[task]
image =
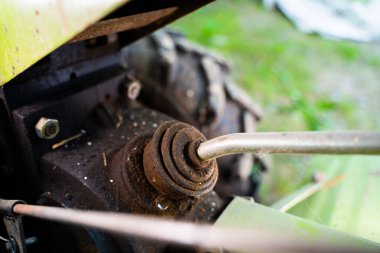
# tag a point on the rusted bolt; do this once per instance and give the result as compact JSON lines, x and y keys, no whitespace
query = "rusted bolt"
{"x":47,"y":128}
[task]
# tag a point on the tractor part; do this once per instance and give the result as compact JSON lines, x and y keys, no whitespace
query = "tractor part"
{"x":16,"y":242}
{"x":23,"y":43}
{"x":47,"y":128}
{"x":185,"y":81}
{"x":171,"y":168}
{"x":96,"y":160}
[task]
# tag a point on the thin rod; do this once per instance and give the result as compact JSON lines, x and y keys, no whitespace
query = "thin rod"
{"x":186,"y":233}
{"x":365,"y":143}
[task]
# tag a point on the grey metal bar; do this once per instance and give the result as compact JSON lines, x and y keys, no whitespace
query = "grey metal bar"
{"x":366,"y":143}
{"x":204,"y":236}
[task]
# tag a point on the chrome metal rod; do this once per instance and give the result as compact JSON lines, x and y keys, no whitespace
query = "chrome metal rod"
{"x":366,"y":143}
{"x":205,"y":236}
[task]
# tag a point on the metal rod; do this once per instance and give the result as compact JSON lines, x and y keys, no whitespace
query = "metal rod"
{"x":365,"y":143}
{"x":205,"y":236}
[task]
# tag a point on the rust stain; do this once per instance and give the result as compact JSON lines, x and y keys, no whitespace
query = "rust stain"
{"x":167,"y":164}
{"x":124,"y":23}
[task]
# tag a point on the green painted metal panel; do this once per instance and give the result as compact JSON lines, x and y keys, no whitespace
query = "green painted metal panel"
{"x":245,"y":214}
{"x":31,"y":29}
{"x":353,"y":204}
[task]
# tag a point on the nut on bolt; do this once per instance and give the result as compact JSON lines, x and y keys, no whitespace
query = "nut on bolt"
{"x":47,"y":128}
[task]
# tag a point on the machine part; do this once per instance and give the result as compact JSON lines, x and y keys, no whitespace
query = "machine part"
{"x":176,"y":72}
{"x":267,"y":238}
{"x":136,"y":18}
{"x":13,"y":224}
{"x":83,"y":85}
{"x":139,"y":195}
{"x":364,"y":143}
{"x":192,"y":85}
{"x":11,"y":247}
{"x":169,"y":166}
{"x":6,"y":207}
{"x":119,"y":184}
{"x":16,"y":242}
{"x":38,"y":34}
{"x":215,"y":93}
{"x":47,"y":128}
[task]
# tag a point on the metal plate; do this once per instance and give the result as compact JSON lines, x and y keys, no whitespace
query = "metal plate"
{"x":29,"y":30}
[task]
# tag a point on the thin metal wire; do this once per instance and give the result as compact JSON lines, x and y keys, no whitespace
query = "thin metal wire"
{"x":4,"y":239}
{"x":366,"y":143}
{"x":204,"y":236}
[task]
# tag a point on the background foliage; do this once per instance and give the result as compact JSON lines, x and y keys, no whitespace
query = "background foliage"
{"x":302,"y":81}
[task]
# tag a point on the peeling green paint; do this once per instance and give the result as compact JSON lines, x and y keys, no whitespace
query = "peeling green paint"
{"x":29,"y":30}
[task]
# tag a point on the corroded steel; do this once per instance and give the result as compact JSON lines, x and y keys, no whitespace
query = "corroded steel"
{"x":29,"y":30}
{"x":185,"y":81}
{"x":136,"y":21}
{"x":167,"y":164}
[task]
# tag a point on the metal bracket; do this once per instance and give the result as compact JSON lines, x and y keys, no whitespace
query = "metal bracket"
{"x":13,"y":224}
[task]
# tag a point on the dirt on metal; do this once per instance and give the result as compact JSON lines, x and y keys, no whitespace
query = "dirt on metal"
{"x":167,"y":164}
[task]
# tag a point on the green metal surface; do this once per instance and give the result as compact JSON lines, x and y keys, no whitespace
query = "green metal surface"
{"x":31,"y":29}
{"x":353,"y":204}
{"x":244,"y":214}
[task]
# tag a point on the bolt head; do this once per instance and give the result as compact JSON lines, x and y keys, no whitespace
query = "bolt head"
{"x":47,"y":128}
{"x":133,"y":90}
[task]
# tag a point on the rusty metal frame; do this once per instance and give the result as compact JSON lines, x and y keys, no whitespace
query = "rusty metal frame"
{"x":29,"y":30}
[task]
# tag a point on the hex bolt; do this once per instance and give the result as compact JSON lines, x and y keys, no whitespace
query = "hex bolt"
{"x":47,"y":128}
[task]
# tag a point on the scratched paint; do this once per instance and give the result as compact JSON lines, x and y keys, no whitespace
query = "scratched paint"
{"x":29,"y":30}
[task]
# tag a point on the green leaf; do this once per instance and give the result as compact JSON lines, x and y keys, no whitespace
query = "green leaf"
{"x":353,"y":204}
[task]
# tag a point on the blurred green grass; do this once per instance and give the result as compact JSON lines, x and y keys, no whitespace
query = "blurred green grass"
{"x":292,"y":75}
